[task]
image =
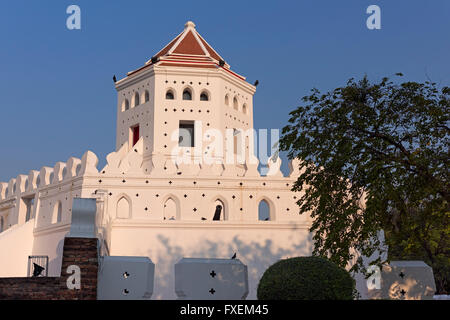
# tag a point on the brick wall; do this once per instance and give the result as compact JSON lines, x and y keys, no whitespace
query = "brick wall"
{"x":81,"y":252}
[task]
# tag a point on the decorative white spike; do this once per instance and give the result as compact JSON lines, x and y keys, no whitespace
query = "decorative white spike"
{"x":89,"y":163}
{"x":294,"y":168}
{"x":58,"y":172}
{"x":44,"y":176}
{"x":274,"y":167}
{"x":3,"y":187}
{"x":132,"y":162}
{"x":32,"y":180}
{"x":21,"y":182}
{"x":72,"y":167}
{"x":11,"y":187}
{"x":114,"y":159}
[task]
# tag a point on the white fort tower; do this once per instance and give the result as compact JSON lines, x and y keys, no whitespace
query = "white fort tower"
{"x":184,"y":147}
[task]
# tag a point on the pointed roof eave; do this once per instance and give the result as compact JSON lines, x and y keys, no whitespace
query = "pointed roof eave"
{"x":167,"y":48}
{"x":212,"y":53}
{"x":189,"y":34}
{"x":189,"y":42}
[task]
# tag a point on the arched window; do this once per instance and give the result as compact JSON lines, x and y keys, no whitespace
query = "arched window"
{"x":227,"y":102}
{"x":146,"y":96}
{"x":123,"y":208}
{"x":235,"y":103}
{"x":29,"y":202}
{"x":57,"y":212}
{"x":244,"y":108}
{"x":263,"y":211}
{"x":2,"y":224}
{"x":136,"y":99}
{"x":219,"y":211}
{"x":170,"y":209}
{"x":187,"y":95}
{"x":125,"y":105}
{"x":170,"y":95}
{"x":204,"y":96}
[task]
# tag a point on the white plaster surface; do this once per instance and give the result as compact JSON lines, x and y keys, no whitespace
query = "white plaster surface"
{"x":211,"y":279}
{"x":125,"y":278}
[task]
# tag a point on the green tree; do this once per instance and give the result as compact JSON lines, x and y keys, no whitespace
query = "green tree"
{"x":375,"y":157}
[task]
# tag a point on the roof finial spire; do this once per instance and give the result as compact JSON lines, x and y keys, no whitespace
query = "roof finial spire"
{"x":189,"y":24}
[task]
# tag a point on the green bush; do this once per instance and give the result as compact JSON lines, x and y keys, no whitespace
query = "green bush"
{"x":306,"y":278}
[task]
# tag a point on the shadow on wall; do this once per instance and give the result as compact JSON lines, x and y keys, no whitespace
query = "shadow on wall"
{"x":54,"y":265}
{"x":257,"y":256}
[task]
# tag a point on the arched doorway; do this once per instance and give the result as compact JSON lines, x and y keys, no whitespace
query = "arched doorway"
{"x":264,"y":213}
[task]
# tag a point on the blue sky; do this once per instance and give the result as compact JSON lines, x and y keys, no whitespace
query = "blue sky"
{"x":50,"y":74}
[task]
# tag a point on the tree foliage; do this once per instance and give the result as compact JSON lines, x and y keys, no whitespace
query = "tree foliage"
{"x":306,"y":278}
{"x":375,"y":157}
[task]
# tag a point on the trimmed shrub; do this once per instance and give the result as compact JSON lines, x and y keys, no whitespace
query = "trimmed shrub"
{"x":306,"y":278}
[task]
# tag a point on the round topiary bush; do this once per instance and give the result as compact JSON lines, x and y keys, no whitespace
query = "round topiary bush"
{"x":306,"y":278}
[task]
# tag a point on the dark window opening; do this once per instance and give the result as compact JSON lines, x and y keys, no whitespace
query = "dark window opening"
{"x":136,"y":99}
{"x":204,"y":97}
{"x":186,"y":134}
{"x":169,"y":95}
{"x":135,"y":134}
{"x":187,"y":95}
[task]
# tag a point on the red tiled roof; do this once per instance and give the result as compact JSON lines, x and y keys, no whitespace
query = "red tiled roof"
{"x":189,"y":45}
{"x":188,"y":49}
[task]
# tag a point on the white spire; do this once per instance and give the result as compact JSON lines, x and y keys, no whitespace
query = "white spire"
{"x":189,"y":24}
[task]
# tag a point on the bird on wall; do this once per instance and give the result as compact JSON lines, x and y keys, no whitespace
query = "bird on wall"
{"x":217,"y":213}
{"x":114,"y":79}
{"x":203,"y":218}
{"x":234,"y":256}
{"x":256,"y":83}
{"x":37,"y":271}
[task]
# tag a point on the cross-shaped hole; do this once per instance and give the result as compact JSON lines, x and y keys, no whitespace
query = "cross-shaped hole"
{"x":212,"y":291}
{"x":402,"y":275}
{"x":213,"y":274}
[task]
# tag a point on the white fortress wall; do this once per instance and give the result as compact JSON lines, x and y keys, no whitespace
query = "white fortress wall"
{"x":37,"y":208}
{"x":16,"y":245}
{"x":258,"y":245}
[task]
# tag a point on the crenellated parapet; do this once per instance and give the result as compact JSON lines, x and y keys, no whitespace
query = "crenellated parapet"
{"x":48,"y":176}
{"x":194,"y":189}
{"x":20,"y":196}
